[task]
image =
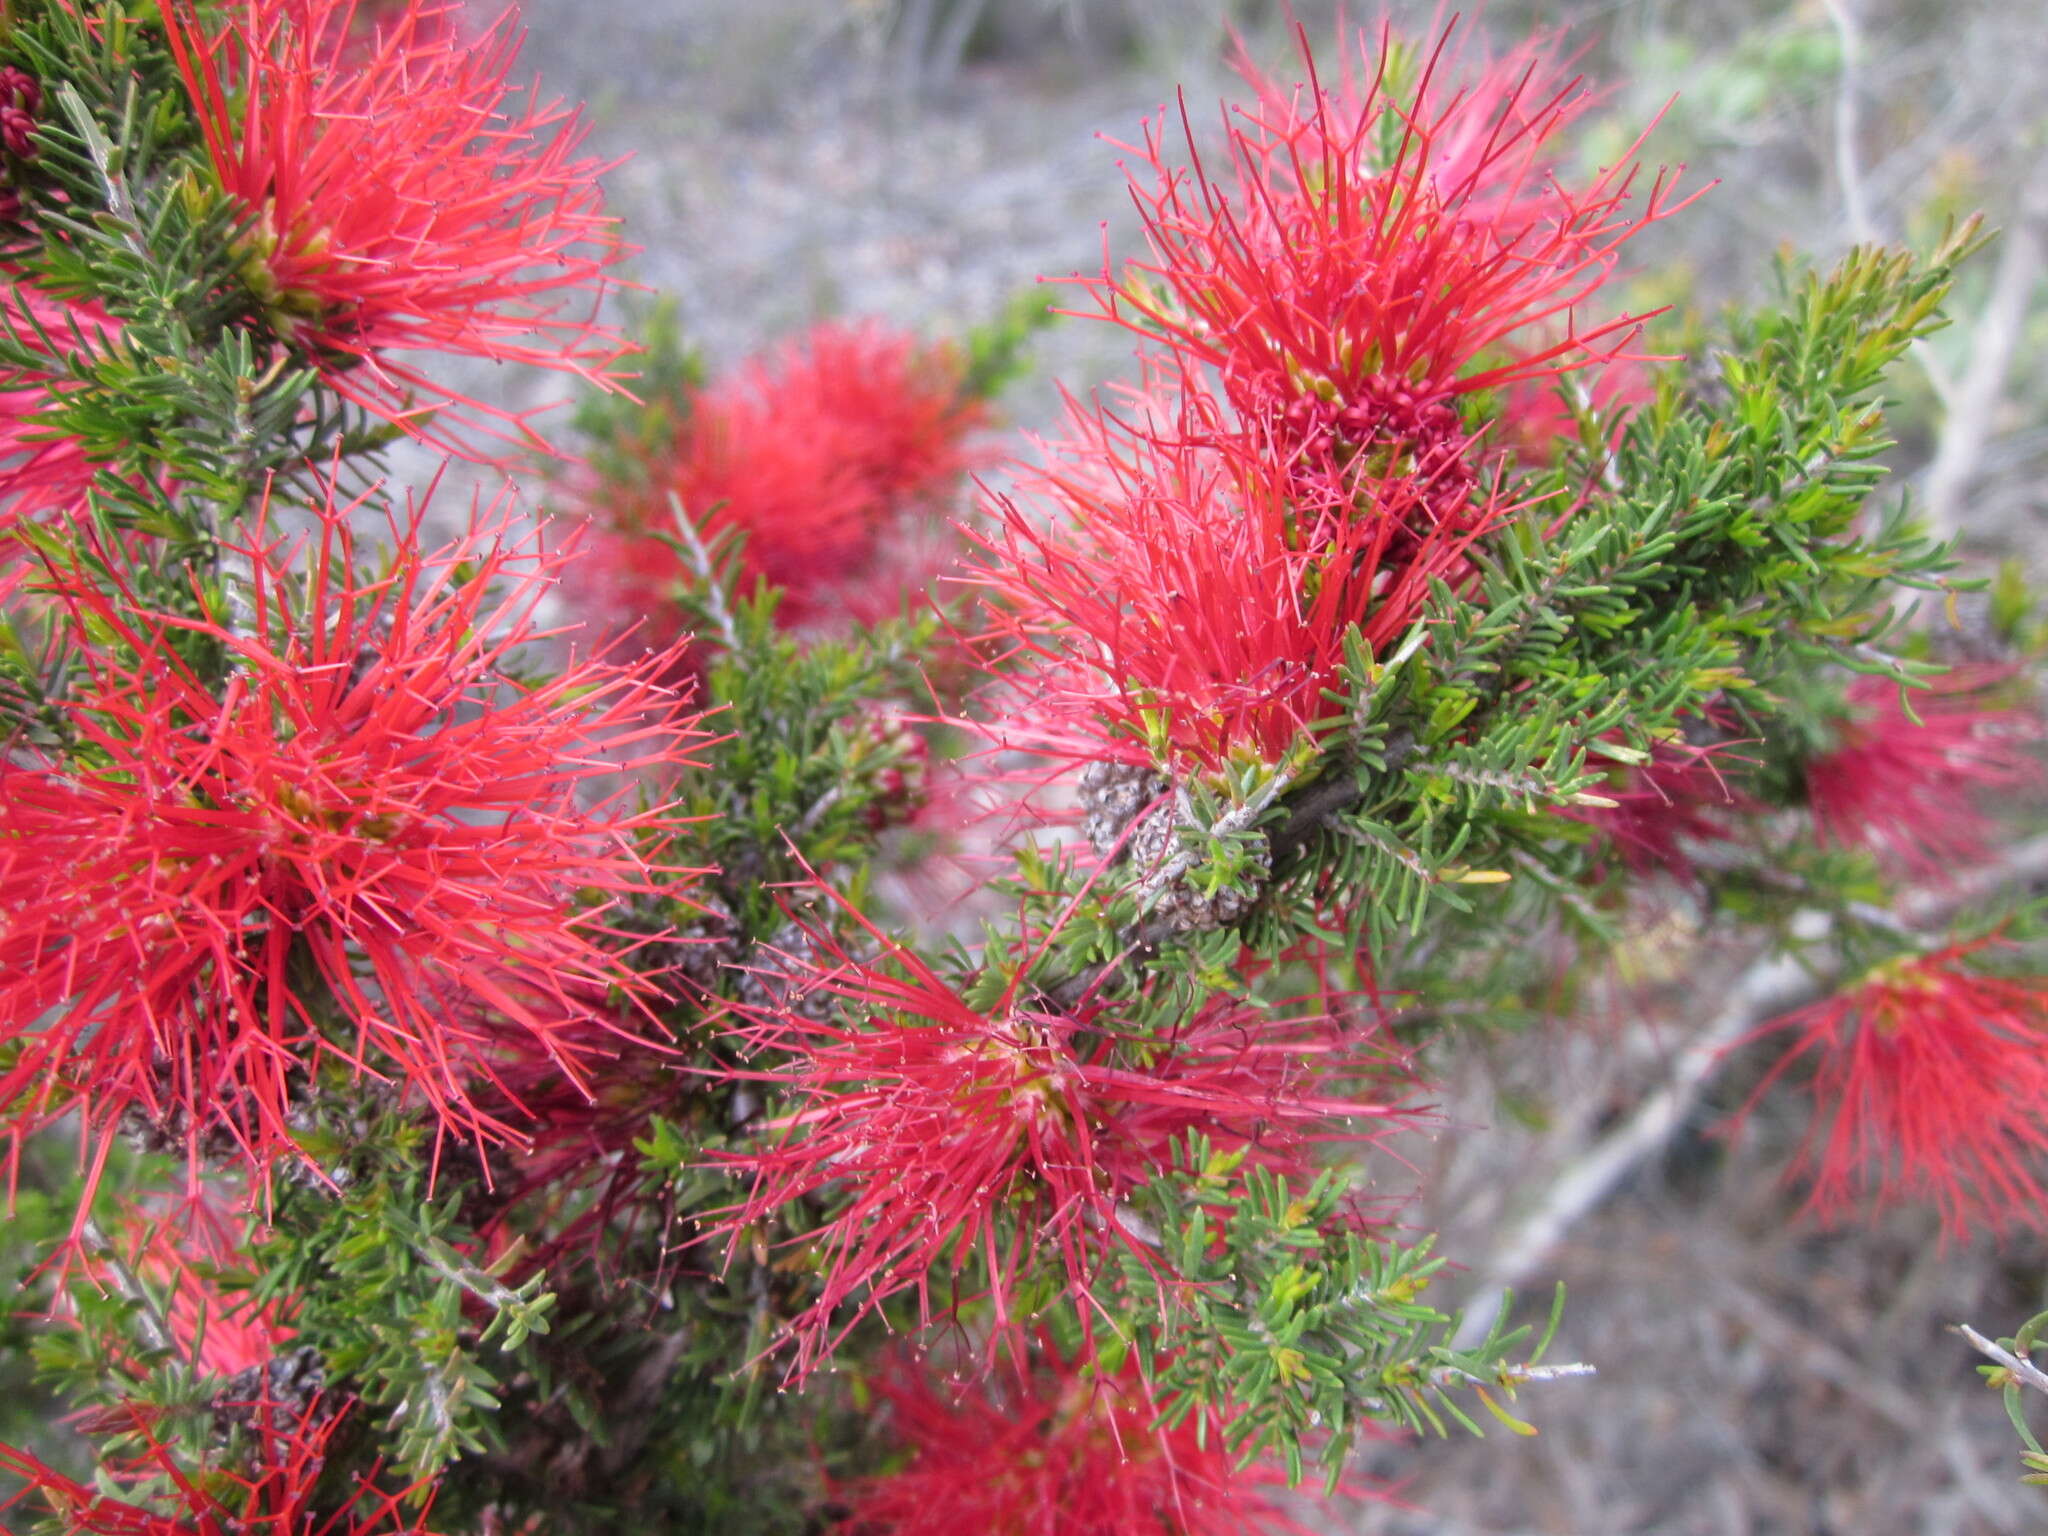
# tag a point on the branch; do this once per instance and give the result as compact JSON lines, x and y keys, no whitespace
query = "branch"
{"x":1236,"y":819}
{"x":149,"y":1318}
{"x":2023,"y":1371}
{"x":1848,"y":171}
{"x":1972,"y":403}
{"x":705,"y":569}
{"x":1768,"y":988}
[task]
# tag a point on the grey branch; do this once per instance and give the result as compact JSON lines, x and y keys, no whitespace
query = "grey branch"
{"x":1971,"y":407}
{"x":2023,"y":1371}
{"x":1848,"y":171}
{"x":705,"y":569}
{"x":149,"y":1319}
{"x":1770,"y":987}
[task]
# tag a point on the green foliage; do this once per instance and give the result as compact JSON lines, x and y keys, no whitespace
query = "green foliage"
{"x":1728,"y":557}
{"x":39,"y":1219}
{"x":800,"y":776}
{"x":998,"y":351}
{"x":1275,"y":1311}
{"x":387,"y":1297}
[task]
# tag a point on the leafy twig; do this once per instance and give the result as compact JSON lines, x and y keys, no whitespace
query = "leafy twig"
{"x":2023,"y":1371}
{"x":705,"y":569}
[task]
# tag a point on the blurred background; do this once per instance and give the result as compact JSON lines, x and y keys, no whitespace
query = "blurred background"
{"x":925,"y":160}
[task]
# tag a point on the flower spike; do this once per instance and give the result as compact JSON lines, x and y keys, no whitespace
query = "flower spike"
{"x":832,"y":457}
{"x":1907,"y":772}
{"x":1059,"y":1449}
{"x":1930,"y":1081}
{"x":365,"y":847}
{"x":1191,"y":599}
{"x":1376,"y":251}
{"x":397,"y":194}
{"x":952,"y":1134}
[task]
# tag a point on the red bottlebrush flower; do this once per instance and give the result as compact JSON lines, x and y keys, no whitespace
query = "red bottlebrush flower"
{"x":400,"y":195}
{"x":367,"y":849}
{"x":1908,"y":790}
{"x":41,"y":470}
{"x":832,"y":457}
{"x":1189,"y":600}
{"x":1057,"y":1451}
{"x":943,"y":1133}
{"x":1930,"y":1083}
{"x":275,"y":1492}
{"x":1377,"y":250}
{"x":899,"y":403}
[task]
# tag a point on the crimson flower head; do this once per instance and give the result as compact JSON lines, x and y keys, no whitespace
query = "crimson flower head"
{"x":1189,"y":598}
{"x":1057,"y":1450}
{"x":942,"y":1134}
{"x":1930,"y":1082}
{"x":1372,"y":251}
{"x":1910,"y":787}
{"x":398,"y":193}
{"x":364,"y":847}
{"x":832,"y":458}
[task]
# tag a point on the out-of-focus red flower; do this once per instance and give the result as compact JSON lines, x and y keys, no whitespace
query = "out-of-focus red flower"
{"x":365,"y":847}
{"x":401,"y":195}
{"x":1058,"y":1450}
{"x":1930,"y":1082}
{"x":182,"y":1253}
{"x":1910,"y":789}
{"x":834,"y":457}
{"x":1661,"y":808}
{"x":41,"y":470}
{"x":1536,"y":417}
{"x":1189,"y":599}
{"x":1372,"y":252}
{"x":944,"y":1134}
{"x":275,"y":1491}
